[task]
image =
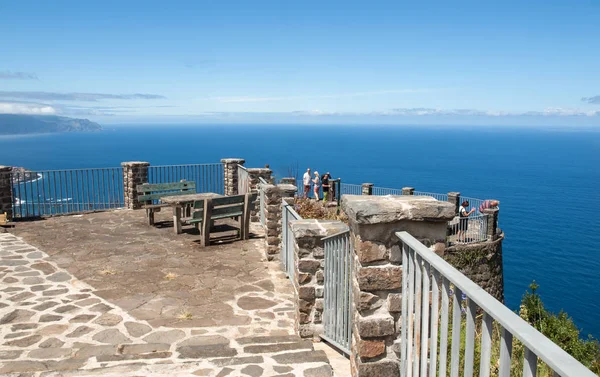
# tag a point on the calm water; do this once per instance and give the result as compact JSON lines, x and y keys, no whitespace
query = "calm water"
{"x":547,"y":182}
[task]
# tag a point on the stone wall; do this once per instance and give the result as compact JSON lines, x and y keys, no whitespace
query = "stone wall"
{"x":273,"y":208}
{"x":230,"y":172}
{"x":6,"y":198}
{"x":254,"y":174}
{"x":377,"y":272}
{"x":309,"y":252}
{"x":134,"y":173}
{"x":480,"y":262}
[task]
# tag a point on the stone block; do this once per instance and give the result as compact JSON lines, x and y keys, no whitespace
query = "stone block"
{"x":368,"y":251}
{"x":379,"y":278}
{"x":308,"y":265}
{"x":376,"y":326}
{"x":383,"y":368}
{"x":395,"y":302}
{"x":368,"y":349}
{"x":367,"y":301}
{"x":305,"y":306}
{"x":306,"y":293}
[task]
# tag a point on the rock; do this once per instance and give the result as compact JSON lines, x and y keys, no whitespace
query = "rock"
{"x":10,"y":280}
{"x":49,"y":353}
{"x":52,"y":330}
{"x":21,"y":296}
{"x":101,"y":308}
{"x":33,"y":280}
{"x":252,"y":370}
{"x":153,"y":355}
{"x":282,"y":368}
{"x":59,"y":277}
{"x":238,"y":360}
{"x":87,"y":302}
{"x":18,"y":315}
{"x":210,"y":351}
{"x":66,"y":309}
{"x":45,"y":267}
{"x":38,"y":288}
{"x":78,"y":296}
{"x":131,"y":349}
{"x":368,"y":301}
{"x":24,"y":326}
{"x":80,"y":331}
{"x":370,"y":252}
{"x":204,"y":341}
{"x":52,"y":343}
{"x":307,"y":293}
{"x":372,"y":209}
{"x":168,"y":336}
{"x":55,"y":292}
{"x":322,"y":371}
{"x":82,"y":318}
{"x":35,"y":255}
{"x":368,"y":349}
{"x":395,"y":302}
{"x":13,"y":262}
{"x":45,"y":305}
{"x":254,"y":303}
{"x":225,"y":372}
{"x":137,"y":329}
{"x":111,"y":336}
{"x":10,"y":355}
{"x":24,"y":342}
{"x":279,"y":347}
{"x":50,"y":318}
{"x":108,"y":319}
{"x":309,"y":265}
{"x":22,"y":366}
{"x":376,"y":326}
{"x":379,"y":278}
{"x":383,"y":368}
{"x":301,"y":357}
{"x":268,"y":339}
{"x":94,"y":351}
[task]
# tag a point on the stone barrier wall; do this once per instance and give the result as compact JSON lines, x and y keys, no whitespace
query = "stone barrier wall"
{"x":230,"y":172}
{"x":309,"y":276}
{"x":254,"y":174}
{"x":367,"y":188}
{"x":6,"y":197}
{"x":273,"y":210}
{"x":377,"y":272}
{"x":134,"y":173}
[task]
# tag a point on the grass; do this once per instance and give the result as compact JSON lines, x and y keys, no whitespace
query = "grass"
{"x":107,"y":271}
{"x":170,"y":276}
{"x":313,"y":209}
{"x":185,"y":315}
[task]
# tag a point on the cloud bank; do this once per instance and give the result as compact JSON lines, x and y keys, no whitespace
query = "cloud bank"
{"x":593,"y":100}
{"x":26,"y":108}
{"x":8,"y":75}
{"x":88,"y":97}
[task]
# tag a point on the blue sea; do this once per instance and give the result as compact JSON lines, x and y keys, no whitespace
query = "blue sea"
{"x":547,"y":181}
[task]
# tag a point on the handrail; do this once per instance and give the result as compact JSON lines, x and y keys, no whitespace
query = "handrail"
{"x":262,"y":180}
{"x":335,"y":235}
{"x":560,"y":361}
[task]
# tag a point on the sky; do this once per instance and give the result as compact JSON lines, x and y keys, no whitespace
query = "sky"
{"x":529,"y":63}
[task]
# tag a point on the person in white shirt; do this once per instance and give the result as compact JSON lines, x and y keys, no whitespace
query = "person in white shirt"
{"x":463,"y":225}
{"x":306,"y":182}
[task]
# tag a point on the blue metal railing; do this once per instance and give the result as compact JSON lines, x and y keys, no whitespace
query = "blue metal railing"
{"x":208,"y":177}
{"x":263,"y":204}
{"x":288,"y":259}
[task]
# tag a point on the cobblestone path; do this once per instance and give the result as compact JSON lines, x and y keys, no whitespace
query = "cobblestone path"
{"x":52,"y":324}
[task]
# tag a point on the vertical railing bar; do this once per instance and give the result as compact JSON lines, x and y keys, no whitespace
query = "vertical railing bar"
{"x":340,"y":301}
{"x":417,"y":324}
{"x":345,"y":290}
{"x":505,"y":353}
{"x":403,"y":333}
{"x":470,"y":338}
{"x":24,"y":199}
{"x":486,"y":346}
{"x":425,"y":318}
{"x":411,"y":303}
{"x":37,"y":189}
{"x":456,"y":324}
{"x":529,"y":363}
{"x":435,"y":299}
{"x":54,"y":197}
{"x":103,"y":189}
{"x":72,"y":192}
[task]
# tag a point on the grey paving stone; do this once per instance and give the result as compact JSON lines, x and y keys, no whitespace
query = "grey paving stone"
{"x":39,"y":288}
{"x":204,"y":340}
{"x":87,"y":302}
{"x":279,"y":347}
{"x":111,"y":336}
{"x":45,"y":305}
{"x":13,"y":262}
{"x":282,"y":368}
{"x":17,"y":315}
{"x":55,"y":292}
{"x":268,"y":339}
{"x":301,"y":357}
{"x":52,"y":343}
{"x":108,"y":319}
{"x":253,"y":303}
{"x":10,"y":280}
{"x":13,"y":289}
{"x":21,"y":296}
{"x":17,"y":335}
{"x":10,"y":355}
{"x":20,"y":366}
{"x":78,"y":296}
{"x":167,"y":336}
{"x":238,"y":360}
{"x":131,"y":349}
{"x":322,"y":371}
{"x":137,"y":329}
{"x":101,"y":308}
{"x":23,"y":326}
{"x":28,"y":273}
{"x":44,"y":267}
{"x":66,"y":309}
{"x":59,"y":277}
{"x":53,"y":329}
{"x":49,"y":353}
{"x":33,"y":280}
{"x":154,"y":355}
{"x":92,"y":351}
{"x":24,"y":342}
{"x":225,"y":372}
{"x":82,"y":318}
{"x":50,"y":318}
{"x":195,"y":352}
{"x":252,"y":370}
{"x":35,"y":255}
{"x":80,"y":331}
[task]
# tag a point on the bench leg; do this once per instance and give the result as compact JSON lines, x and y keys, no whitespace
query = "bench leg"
{"x":177,"y":219}
{"x":150,"y":216}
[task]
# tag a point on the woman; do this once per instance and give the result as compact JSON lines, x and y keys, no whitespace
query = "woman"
{"x":463,"y":225}
{"x":325,"y":182}
{"x":317,"y":182}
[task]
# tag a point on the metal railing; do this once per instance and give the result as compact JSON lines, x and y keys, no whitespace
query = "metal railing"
{"x":58,"y":192}
{"x":425,"y":322}
{"x":438,"y":196}
{"x":288,"y":259}
{"x":263,"y":204}
{"x":208,"y":177}
{"x":337,"y":303}
{"x":468,"y":229}
{"x":243,"y":180}
{"x":350,"y":189}
{"x":386,"y":191}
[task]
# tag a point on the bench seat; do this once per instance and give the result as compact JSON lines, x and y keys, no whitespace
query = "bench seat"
{"x":148,"y":193}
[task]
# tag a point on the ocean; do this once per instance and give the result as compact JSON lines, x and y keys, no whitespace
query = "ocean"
{"x":546,"y":180}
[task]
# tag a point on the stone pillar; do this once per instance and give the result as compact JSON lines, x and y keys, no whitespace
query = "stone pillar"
{"x":254,"y":174}
{"x":6,"y":197}
{"x":492,"y":223}
{"x":230,"y":172}
{"x":377,"y":272}
{"x":134,"y":173}
{"x":288,"y":181}
{"x":408,"y":190}
{"x":367,"y":189}
{"x":309,"y":278}
{"x":273,"y":208}
{"x":454,"y":198}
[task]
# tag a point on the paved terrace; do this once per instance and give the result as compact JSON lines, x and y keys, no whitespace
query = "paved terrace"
{"x":106,"y":294}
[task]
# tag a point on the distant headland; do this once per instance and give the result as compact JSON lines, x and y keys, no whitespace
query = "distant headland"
{"x":18,"y":124}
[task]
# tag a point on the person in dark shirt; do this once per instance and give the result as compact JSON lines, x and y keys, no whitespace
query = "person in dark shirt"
{"x":325,"y":183}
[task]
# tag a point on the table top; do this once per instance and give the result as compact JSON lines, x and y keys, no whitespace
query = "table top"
{"x":183,"y":199}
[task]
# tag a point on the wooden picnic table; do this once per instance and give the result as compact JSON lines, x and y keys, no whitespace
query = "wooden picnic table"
{"x":180,"y":202}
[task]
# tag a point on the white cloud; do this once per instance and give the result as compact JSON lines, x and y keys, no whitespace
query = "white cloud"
{"x":26,"y":108}
{"x":326,"y":96}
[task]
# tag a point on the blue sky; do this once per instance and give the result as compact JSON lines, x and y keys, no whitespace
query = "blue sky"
{"x":390,"y":62}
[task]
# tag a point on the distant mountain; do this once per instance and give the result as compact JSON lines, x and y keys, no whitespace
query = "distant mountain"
{"x":17,"y":124}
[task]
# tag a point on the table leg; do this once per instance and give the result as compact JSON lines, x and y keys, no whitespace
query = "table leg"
{"x":177,"y":219}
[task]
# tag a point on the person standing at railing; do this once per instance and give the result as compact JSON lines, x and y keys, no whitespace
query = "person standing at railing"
{"x":306,"y":183}
{"x":317,"y":182}
{"x":463,"y":225}
{"x":325,"y":183}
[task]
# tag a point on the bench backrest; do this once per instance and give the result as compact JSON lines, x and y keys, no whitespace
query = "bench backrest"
{"x":153,"y":191}
{"x":222,"y":207}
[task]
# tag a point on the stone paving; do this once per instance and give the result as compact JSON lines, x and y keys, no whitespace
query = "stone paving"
{"x":55,"y":322}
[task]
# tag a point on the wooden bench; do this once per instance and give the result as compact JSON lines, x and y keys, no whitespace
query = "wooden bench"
{"x":236,"y":207}
{"x":149,"y":192}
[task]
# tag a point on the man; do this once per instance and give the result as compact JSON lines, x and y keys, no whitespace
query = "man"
{"x":306,"y":181}
{"x":325,"y":183}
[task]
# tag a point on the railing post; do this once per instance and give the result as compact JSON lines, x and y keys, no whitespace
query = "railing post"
{"x":492,"y":223}
{"x":367,"y":189}
{"x":288,"y":181}
{"x":6,"y":195}
{"x":273,"y":211}
{"x":134,"y":173}
{"x":408,"y":190}
{"x":454,"y":198}
{"x":230,"y":172}
{"x":253,"y":175}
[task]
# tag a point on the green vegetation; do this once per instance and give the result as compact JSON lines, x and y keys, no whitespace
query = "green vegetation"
{"x":557,"y":327}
